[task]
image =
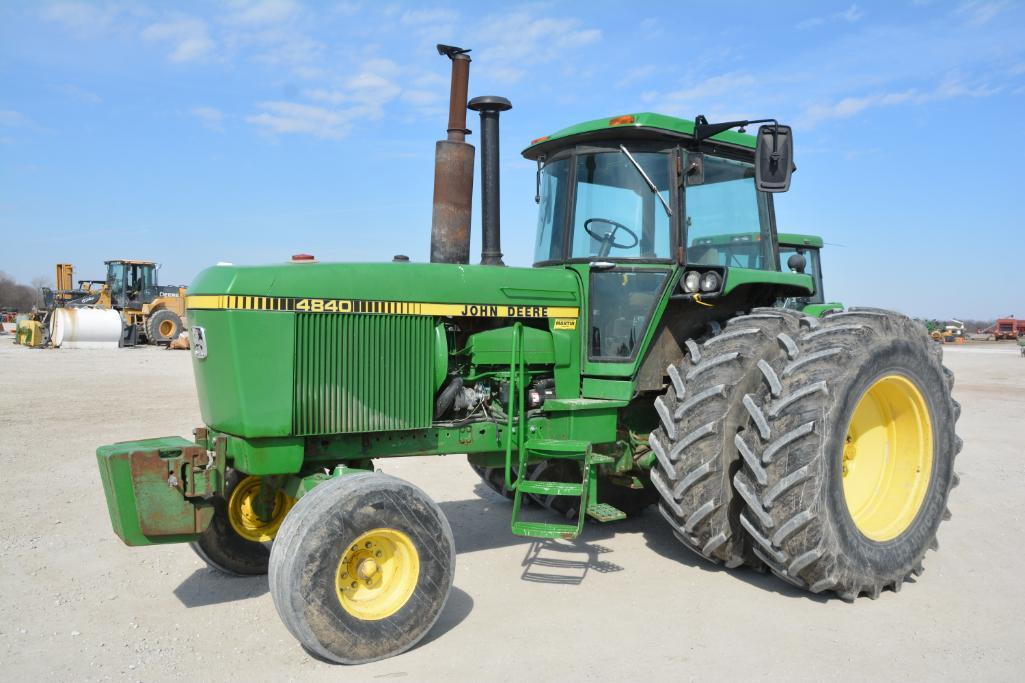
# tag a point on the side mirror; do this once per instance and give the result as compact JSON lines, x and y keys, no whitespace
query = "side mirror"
{"x":774,"y":158}
{"x":797,"y":263}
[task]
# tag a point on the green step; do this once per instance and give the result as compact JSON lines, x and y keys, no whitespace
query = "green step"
{"x":599,"y":459}
{"x":603,"y":512}
{"x":551,"y":488}
{"x":544,"y":530}
{"x":558,"y":448}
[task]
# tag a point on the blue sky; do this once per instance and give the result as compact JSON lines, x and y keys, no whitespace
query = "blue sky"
{"x":247,"y":131}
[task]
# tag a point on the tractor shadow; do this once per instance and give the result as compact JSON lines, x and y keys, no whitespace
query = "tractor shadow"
{"x":659,"y":537}
{"x":205,"y":587}
{"x":483,"y":524}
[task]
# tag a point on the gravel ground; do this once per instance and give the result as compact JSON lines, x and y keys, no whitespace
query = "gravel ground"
{"x":626,"y":600}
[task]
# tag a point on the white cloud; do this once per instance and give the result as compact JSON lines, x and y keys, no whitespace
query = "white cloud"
{"x":292,"y":118}
{"x":637,"y":75}
{"x":9,"y":117}
{"x":704,"y":95}
{"x":850,"y":15}
{"x":80,"y":17}
{"x":951,"y":87}
{"x":74,"y":92}
{"x":979,"y":12}
{"x":189,"y":38}
{"x":519,"y":40}
{"x":210,"y":117}
{"x":262,"y":12}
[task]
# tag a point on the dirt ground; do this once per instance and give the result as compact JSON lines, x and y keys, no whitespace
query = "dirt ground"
{"x":624,"y":601}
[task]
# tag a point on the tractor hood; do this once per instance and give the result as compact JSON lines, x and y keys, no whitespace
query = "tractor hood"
{"x":300,"y":349}
{"x":440,"y":289}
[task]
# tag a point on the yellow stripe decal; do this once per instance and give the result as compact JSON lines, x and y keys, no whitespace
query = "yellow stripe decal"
{"x":311,"y":305}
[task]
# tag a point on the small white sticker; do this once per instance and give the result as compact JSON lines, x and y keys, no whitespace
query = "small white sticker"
{"x":198,"y":335}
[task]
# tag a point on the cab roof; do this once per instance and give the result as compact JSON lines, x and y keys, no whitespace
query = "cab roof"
{"x":642,"y":124}
{"x":793,"y":239}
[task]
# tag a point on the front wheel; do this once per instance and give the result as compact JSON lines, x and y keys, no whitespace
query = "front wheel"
{"x":237,"y":540}
{"x":362,"y":568}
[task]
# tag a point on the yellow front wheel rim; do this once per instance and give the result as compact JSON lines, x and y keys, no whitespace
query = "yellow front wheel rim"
{"x":887,"y":458}
{"x":377,"y":574}
{"x":243,"y":517}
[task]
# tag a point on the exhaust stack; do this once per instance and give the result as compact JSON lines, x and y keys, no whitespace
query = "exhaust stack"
{"x":490,"y":107}
{"x":453,"y":171}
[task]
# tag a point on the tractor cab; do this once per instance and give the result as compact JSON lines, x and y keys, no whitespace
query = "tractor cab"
{"x":644,"y":203}
{"x":131,"y":283}
{"x":808,"y":248}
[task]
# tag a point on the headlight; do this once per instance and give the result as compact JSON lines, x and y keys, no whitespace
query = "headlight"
{"x":710,"y":281}
{"x":691,"y":281}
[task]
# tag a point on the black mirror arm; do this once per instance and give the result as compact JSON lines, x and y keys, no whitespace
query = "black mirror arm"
{"x":703,"y":129}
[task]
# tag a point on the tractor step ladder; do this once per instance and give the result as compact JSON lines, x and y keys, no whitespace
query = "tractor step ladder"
{"x":580,"y":451}
{"x":585,"y":491}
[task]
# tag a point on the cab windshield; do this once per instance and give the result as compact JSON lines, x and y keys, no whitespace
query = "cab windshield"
{"x":616,"y":214}
{"x":615,"y":204}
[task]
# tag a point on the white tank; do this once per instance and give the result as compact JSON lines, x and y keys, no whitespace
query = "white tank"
{"x":85,"y":328}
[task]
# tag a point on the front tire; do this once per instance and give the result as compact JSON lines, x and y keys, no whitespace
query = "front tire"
{"x":851,"y":463}
{"x":362,"y":568}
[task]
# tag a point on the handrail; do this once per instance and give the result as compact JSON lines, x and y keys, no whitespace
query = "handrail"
{"x":515,"y":410}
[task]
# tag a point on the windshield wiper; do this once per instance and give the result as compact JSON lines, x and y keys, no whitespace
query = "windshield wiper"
{"x":665,"y":204}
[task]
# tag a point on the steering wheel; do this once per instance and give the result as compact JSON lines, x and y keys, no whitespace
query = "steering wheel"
{"x":608,"y":240}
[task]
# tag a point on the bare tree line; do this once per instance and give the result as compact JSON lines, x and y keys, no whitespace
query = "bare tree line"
{"x":18,"y":296}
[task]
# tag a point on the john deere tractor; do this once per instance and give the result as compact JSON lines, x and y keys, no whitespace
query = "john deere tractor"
{"x":802,"y":253}
{"x":821,"y":449}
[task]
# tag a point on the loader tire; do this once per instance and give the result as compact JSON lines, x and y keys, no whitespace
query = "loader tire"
{"x":849,"y":464}
{"x":227,"y":549}
{"x":362,"y":568}
{"x":701,"y":414}
{"x":164,"y":326}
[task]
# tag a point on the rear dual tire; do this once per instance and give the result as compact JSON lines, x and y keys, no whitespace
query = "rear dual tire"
{"x":850,"y":459}
{"x":701,"y":414}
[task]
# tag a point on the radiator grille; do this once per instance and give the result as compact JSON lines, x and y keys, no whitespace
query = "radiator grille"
{"x":362,"y":373}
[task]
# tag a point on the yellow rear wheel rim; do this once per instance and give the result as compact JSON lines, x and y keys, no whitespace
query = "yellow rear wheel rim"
{"x":242,"y":513}
{"x":377,"y":574}
{"x":167,"y":327}
{"x":887,"y":458}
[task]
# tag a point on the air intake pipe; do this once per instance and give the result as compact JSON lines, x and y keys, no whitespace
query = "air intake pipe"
{"x":490,"y":107}
{"x":453,"y":171}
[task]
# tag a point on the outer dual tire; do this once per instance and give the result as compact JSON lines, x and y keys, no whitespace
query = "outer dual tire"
{"x":319,"y":559}
{"x":869,"y":371}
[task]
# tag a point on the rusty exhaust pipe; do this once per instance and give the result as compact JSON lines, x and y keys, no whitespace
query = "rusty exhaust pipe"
{"x":490,"y":107}
{"x":453,"y":171}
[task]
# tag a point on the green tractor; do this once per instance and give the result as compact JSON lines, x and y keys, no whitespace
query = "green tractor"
{"x":800,"y":253}
{"x":821,"y":449}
